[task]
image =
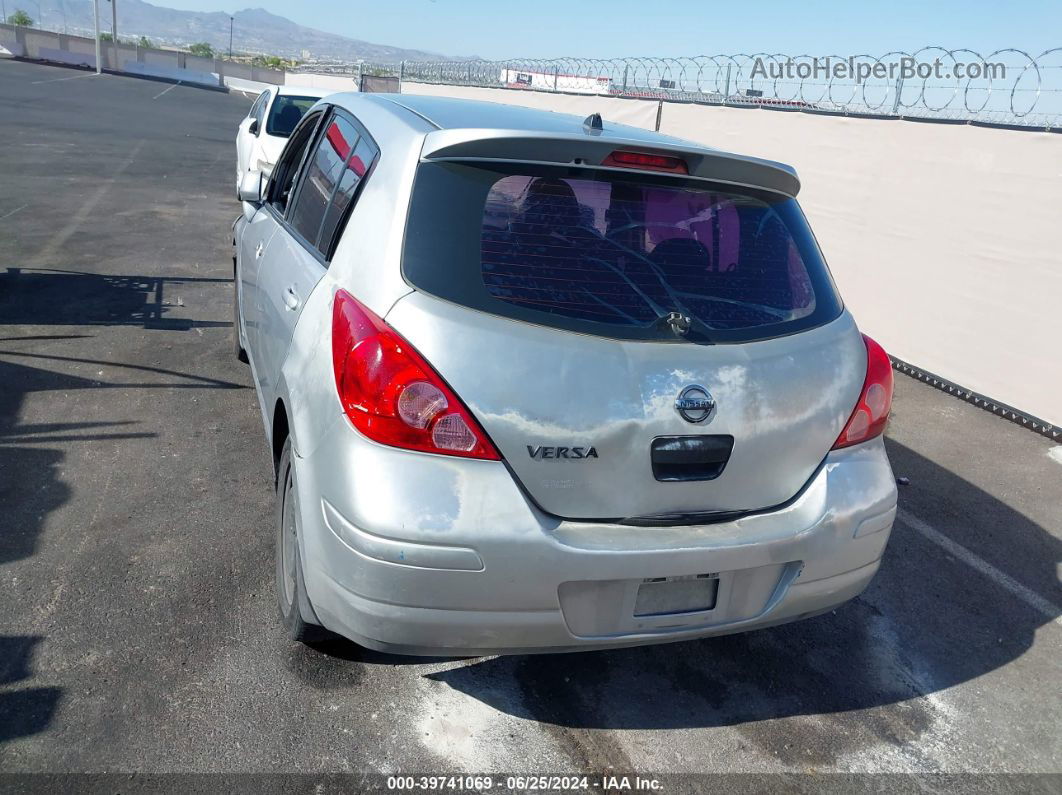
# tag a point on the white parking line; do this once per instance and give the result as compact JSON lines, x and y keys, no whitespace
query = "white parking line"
{"x":56,"y":242}
{"x":60,"y":79}
{"x":1055,"y":453}
{"x":1031,"y":598}
{"x":8,"y":215}
{"x":167,"y":90}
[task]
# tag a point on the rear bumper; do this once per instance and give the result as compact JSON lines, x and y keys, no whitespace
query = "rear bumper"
{"x":423,"y":554}
{"x":401,"y":629}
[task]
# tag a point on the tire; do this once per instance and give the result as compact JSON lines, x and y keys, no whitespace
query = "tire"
{"x":291,"y":588}
{"x":237,"y":348}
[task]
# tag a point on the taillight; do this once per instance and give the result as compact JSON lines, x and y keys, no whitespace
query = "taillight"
{"x":391,"y":394}
{"x":647,"y":161}
{"x":872,"y":411}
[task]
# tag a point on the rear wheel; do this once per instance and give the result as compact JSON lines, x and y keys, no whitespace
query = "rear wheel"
{"x":291,"y":589}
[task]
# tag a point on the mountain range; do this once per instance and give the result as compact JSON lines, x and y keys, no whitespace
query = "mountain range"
{"x":255,"y":30}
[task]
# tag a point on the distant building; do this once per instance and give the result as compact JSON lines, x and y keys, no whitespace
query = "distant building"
{"x":555,"y":81}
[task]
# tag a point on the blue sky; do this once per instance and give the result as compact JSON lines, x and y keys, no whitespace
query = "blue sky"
{"x":596,"y":28}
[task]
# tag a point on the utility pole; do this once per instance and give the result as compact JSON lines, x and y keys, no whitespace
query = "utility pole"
{"x":231,"y":19}
{"x":96,"y":21}
{"x":114,"y":33}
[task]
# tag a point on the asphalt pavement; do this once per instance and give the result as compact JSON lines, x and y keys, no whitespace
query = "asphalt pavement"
{"x":139,"y":630}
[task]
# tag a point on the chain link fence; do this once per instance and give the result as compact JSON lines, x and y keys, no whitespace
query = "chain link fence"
{"x":1008,"y":86}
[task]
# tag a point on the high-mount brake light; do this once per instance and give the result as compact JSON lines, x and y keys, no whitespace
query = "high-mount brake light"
{"x":875,"y":401}
{"x":391,"y":394}
{"x":646,"y":161}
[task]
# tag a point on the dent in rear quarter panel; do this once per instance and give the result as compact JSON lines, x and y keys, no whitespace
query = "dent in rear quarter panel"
{"x":307,"y":383}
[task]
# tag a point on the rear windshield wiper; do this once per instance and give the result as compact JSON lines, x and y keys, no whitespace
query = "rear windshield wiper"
{"x":679,"y":323}
{"x":781,"y":314}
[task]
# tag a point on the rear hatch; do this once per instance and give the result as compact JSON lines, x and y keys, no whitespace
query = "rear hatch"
{"x":639,"y":345}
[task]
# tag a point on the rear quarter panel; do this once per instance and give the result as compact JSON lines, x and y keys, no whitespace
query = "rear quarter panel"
{"x":366,"y":264}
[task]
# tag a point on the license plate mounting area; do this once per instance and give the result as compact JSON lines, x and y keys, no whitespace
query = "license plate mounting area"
{"x":662,"y":596}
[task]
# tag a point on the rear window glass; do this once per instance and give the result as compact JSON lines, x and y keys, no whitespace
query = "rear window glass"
{"x":286,"y":113}
{"x":618,"y":256}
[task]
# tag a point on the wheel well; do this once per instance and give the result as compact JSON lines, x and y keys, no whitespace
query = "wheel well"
{"x":280,"y":432}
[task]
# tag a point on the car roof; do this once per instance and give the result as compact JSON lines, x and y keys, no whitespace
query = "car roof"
{"x":303,"y":91}
{"x":448,"y":120}
{"x":449,"y":113}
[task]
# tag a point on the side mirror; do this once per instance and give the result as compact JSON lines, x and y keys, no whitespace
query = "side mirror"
{"x":253,"y":129}
{"x":252,"y":188}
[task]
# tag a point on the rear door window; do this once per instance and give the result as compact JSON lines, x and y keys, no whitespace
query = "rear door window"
{"x":323,"y":170}
{"x":337,"y":164}
{"x":615,"y":255}
{"x":354,"y":171}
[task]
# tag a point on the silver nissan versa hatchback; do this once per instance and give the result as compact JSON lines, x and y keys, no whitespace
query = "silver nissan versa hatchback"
{"x":539,"y":383}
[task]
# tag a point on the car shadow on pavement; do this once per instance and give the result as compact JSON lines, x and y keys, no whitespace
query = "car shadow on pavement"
{"x":29,"y":484}
{"x":46,"y":297}
{"x":38,"y":362}
{"x":342,"y":650}
{"x":25,"y":711}
{"x":33,"y":454}
{"x":30,"y":487}
{"x":928,"y":622}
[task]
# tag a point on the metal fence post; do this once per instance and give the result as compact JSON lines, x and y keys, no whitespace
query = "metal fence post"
{"x":896,"y":101}
{"x":96,"y":24}
{"x":114,"y":33}
{"x":556,"y":72}
{"x":626,"y":68}
{"x":726,"y":91}
{"x":401,"y":72}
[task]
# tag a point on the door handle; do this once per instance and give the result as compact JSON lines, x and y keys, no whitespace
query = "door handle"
{"x":258,"y":251}
{"x":291,"y":298}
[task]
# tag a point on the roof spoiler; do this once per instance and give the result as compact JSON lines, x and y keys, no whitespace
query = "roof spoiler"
{"x":590,"y":151}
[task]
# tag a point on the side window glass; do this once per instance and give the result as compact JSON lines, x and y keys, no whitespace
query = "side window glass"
{"x":287,"y":169}
{"x":353,"y":172}
{"x":260,"y":113}
{"x":323,"y":171}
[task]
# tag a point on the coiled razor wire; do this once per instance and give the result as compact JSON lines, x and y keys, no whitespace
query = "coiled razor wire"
{"x":1013,"y":87}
